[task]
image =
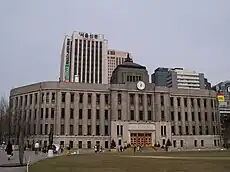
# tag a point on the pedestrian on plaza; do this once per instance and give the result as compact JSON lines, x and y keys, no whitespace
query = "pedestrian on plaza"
{"x":9,"y":150}
{"x":36,"y":146}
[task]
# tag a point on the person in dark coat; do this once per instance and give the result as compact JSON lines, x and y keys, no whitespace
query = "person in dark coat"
{"x":9,"y":150}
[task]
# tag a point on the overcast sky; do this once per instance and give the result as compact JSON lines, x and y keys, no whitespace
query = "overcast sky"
{"x":194,"y":34}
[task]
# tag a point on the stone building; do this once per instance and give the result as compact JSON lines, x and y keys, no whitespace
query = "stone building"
{"x":130,"y":110}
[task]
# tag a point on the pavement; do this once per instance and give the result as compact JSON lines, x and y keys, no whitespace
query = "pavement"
{"x":15,"y":159}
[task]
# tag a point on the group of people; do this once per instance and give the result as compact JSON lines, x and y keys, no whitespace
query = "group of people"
{"x":98,"y":148}
{"x":9,"y":150}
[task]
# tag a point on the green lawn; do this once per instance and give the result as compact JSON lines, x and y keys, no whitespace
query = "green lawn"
{"x":115,"y":162}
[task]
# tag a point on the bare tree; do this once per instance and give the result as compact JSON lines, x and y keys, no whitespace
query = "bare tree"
{"x":4,"y":119}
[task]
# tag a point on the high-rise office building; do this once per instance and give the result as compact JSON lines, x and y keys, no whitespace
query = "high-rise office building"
{"x":115,"y":58}
{"x":179,"y":78}
{"x":84,"y":58}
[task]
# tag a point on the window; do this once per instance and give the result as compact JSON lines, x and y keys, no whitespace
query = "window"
{"x":192,"y":102}
{"x":119,"y":116}
{"x":89,"y":144}
{"x":52,"y":128}
{"x":71,"y":113}
{"x":106,"y":114}
{"x":214,"y":130}
{"x":149,"y":115}
{"x":62,"y":113}
{"x":34,"y":129}
{"x":70,"y":130}
{"x":43,"y":97}
{"x":106,"y":99}
{"x":182,"y":143}
{"x":71,"y":144}
{"x":200,"y":130}
{"x":211,"y":103}
{"x":41,"y":113}
{"x":140,"y":99}
{"x":121,"y":130}
{"x":71,"y":97}
{"x":46,"y":129}
{"x":193,"y":116}
{"x":79,"y":144}
{"x":31,"y":99}
{"x":172,"y":116}
{"x":53,"y":98}
{"x":89,"y":130}
{"x":206,"y":130}
{"x":180,"y":130}
{"x":47,"y":113}
{"x":185,"y":102}
{"x":162,"y":130}
{"x":162,"y":116}
{"x":199,"y":116}
{"x":106,"y":130}
{"x":149,"y":99}
{"x":41,"y":132}
{"x":89,"y":98}
{"x":171,"y":101}
{"x":97,"y":130}
{"x":80,"y":113}
{"x":179,"y":116}
{"x":195,"y":143}
{"x":174,"y":143}
{"x":52,"y":113}
{"x":173,"y":130}
{"x":178,"y":101}
{"x":215,"y":143}
{"x":186,"y":130}
{"x":81,"y":98}
{"x":162,"y":100}
{"x":202,"y":143}
{"x":80,"y":130}
{"x":186,"y":116}
{"x":63,"y":97}
{"x":198,"y":102}
{"x":62,"y":129}
{"x":98,"y":114}
{"x":36,"y":98}
{"x":206,"y":116}
{"x":193,"y":130}
{"x":98,"y":98}
{"x":35,"y":113}
{"x":47,"y":97}
{"x":141,"y":116}
{"x":205,"y":103}
{"x":106,"y":144}
{"x":119,"y":98}
{"x":89,"y":113}
{"x":132,"y":115}
{"x":131,"y":99}
{"x":118,"y":130}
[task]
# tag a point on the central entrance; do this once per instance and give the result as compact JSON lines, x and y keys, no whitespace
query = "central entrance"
{"x":141,"y":139}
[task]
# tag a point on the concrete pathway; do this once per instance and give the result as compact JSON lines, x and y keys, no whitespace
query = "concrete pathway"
{"x":15,"y":159}
{"x":178,"y":157}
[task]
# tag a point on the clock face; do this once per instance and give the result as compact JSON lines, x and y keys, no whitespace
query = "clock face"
{"x":141,"y":85}
{"x":228,"y":89}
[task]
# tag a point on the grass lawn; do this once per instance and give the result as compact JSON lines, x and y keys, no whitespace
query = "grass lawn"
{"x":114,"y":162}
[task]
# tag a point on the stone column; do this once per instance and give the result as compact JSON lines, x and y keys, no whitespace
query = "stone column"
{"x":93,"y":116}
{"x":67,"y":112}
{"x":189,"y":116}
{"x":176,"y":115}
{"x":57,"y":125}
{"x":76,"y":113}
{"x":84,"y":115}
{"x":196,"y":116}
{"x":182,"y":112}
{"x":102,"y":114}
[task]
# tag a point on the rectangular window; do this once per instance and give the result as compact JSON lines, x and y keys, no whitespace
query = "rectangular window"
{"x":42,"y":113}
{"x":46,"y":129}
{"x":106,"y":144}
{"x":80,"y":144}
{"x":80,"y":130}
{"x":162,"y":100}
{"x":182,"y":143}
{"x":213,"y":116}
{"x":98,"y":114}
{"x":36,"y":98}
{"x":171,"y":101}
{"x":98,"y":98}
{"x":173,"y":130}
{"x":89,"y":113}
{"x":41,"y":126}
{"x":106,"y":130}
{"x":179,"y":116}
{"x":121,"y":130}
{"x":206,"y":116}
{"x":140,"y":99}
{"x":47,"y":113}
{"x":119,"y":99}
{"x":71,"y":97}
{"x":202,"y":143}
{"x":71,"y":130}
{"x":193,"y":116}
{"x":119,"y":116}
{"x":118,"y":132}
{"x":198,"y":102}
{"x":180,"y":130}
{"x":63,"y":97}
{"x":132,"y":115}
{"x":141,"y":116}
{"x":205,"y":103}
{"x":52,"y":113}
{"x":186,"y":116}
{"x":185,"y":102}
{"x":178,"y":101}
{"x":186,"y":130}
{"x":80,"y":113}
{"x":162,"y":130}
{"x":71,"y":113}
{"x":106,"y":114}
{"x":89,"y":130}
{"x":52,"y":128}
{"x":131,"y":99}
{"x":192,"y":102}
{"x":97,"y":130}
{"x":89,"y":144}
{"x":199,"y":116}
{"x":106,"y":99}
{"x":172,"y":116}
{"x":149,"y":115}
{"x":193,"y":130}
{"x":174,"y":143}
{"x":206,"y":130}
{"x":89,"y":99}
{"x":62,"y":129}
{"x":162,"y":115}
{"x":149,"y":99}
{"x":195,"y":143}
{"x":62,"y":113}
{"x":47,"y":97}
{"x":53,"y":98}
{"x":214,"y":130}
{"x":81,"y":98}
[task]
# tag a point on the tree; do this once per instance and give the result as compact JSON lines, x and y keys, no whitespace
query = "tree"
{"x":225,"y":126}
{"x":113,"y":144}
{"x":168,"y":143}
{"x":4,"y":119}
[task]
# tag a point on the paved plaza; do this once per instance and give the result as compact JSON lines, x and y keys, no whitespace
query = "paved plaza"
{"x":15,"y":159}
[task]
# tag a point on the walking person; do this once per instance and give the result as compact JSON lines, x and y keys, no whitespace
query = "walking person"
{"x":36,"y":146}
{"x":9,"y":150}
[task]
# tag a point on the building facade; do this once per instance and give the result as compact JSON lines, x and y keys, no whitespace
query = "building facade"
{"x":115,"y":58}
{"x":130,"y":110}
{"x":84,"y":58}
{"x":179,"y":78}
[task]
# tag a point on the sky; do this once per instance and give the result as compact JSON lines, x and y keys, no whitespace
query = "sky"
{"x":193,"y":34}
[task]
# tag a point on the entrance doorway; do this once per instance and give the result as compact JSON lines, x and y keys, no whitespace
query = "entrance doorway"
{"x":141,"y":139}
